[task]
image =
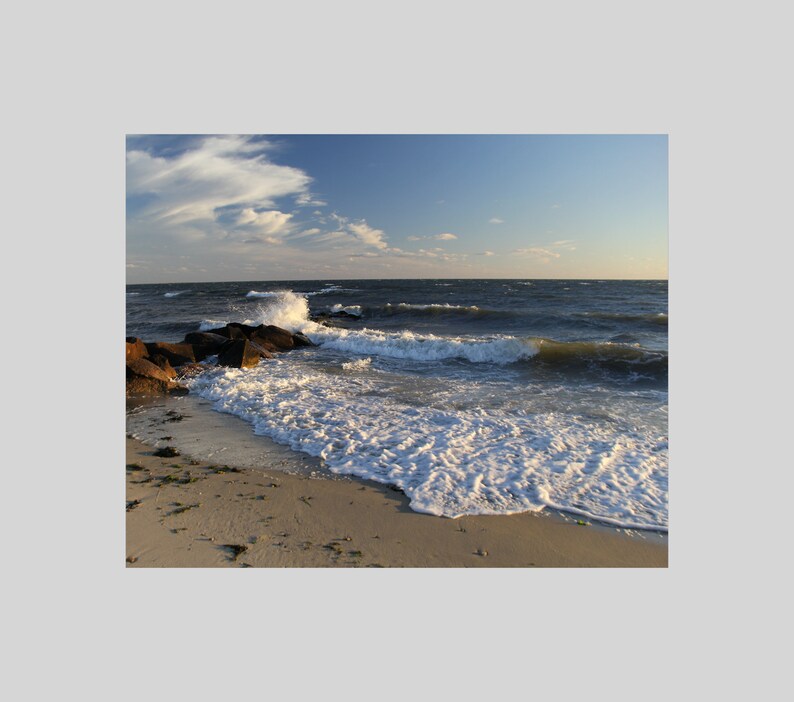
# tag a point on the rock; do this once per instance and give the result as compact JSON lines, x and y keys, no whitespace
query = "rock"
{"x":144,"y":368}
{"x":146,"y":378}
{"x":302,"y":340}
{"x":205,"y":339}
{"x":246,"y":329}
{"x":162,"y":363}
{"x":205,"y":343}
{"x":272,"y":338}
{"x":263,"y":352}
{"x":177,"y":354}
{"x":167,"y":452}
{"x":135,"y":349}
{"x":239,"y":353}
{"x":229,"y":332}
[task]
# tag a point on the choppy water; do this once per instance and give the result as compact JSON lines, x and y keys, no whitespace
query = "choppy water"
{"x":473,"y":396}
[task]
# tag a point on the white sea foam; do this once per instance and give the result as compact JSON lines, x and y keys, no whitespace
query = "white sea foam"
{"x":358,"y":364}
{"x":350,"y":309}
{"x":451,"y":462}
{"x":269,"y":293}
{"x":208,"y":324}
{"x":173,"y":294}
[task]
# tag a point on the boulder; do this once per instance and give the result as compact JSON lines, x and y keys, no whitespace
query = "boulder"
{"x":205,"y":344}
{"x":239,"y":353}
{"x":302,"y":340}
{"x":229,"y":332}
{"x":146,"y":378}
{"x":206,"y":339}
{"x":146,"y":369}
{"x":272,"y":338}
{"x":263,"y":352}
{"x":244,"y":328}
{"x":177,"y":354}
{"x":135,"y":348}
{"x":162,"y":363}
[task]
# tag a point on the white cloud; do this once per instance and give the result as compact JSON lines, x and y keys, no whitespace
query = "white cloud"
{"x":446,"y":236}
{"x":547,"y":252}
{"x":267,"y":222}
{"x":368,"y":235}
{"x":487,"y":253}
{"x":496,"y":220}
{"x":196,"y":186}
{"x":309,"y":200}
{"x":536,"y":252}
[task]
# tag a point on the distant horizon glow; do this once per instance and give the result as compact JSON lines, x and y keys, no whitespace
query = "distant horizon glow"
{"x":204,"y":209}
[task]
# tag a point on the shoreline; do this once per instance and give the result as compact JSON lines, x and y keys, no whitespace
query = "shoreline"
{"x":280,"y":508}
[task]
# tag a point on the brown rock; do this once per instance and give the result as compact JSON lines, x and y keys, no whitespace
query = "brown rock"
{"x":162,"y":363}
{"x":246,"y":329}
{"x":146,"y":369}
{"x":146,"y":378}
{"x":302,"y":340}
{"x":135,"y":348}
{"x":205,"y":344}
{"x":272,"y":338}
{"x":206,"y":339}
{"x":239,"y":353}
{"x":263,"y":352}
{"x":177,"y":354}
{"x":229,"y":332}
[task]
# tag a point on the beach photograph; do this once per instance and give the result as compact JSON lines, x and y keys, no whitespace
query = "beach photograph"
{"x":396,"y":350}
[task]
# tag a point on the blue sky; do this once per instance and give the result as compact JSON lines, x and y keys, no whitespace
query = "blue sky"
{"x":281,"y":207}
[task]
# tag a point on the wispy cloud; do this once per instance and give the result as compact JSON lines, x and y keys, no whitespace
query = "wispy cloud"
{"x":368,"y":235}
{"x":197,"y":186}
{"x":496,"y":220}
{"x":445,"y":236}
{"x":546,"y":253}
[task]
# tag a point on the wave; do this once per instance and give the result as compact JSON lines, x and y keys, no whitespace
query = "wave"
{"x":310,"y":293}
{"x":291,"y":311}
{"x":348,"y":309}
{"x":268,"y":293}
{"x":614,"y":356}
{"x":173,"y":294}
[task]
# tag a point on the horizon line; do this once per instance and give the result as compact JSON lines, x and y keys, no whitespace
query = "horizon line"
{"x":296,"y":280}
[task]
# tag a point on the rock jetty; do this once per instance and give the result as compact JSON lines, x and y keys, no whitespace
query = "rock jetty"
{"x":154,"y":368}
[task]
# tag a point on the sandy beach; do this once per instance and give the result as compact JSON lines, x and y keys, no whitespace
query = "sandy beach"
{"x":186,"y":511}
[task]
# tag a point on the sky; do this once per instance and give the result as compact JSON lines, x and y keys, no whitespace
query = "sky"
{"x":204,"y":208}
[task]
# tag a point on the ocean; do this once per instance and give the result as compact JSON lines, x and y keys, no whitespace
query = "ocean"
{"x":472,"y":396}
